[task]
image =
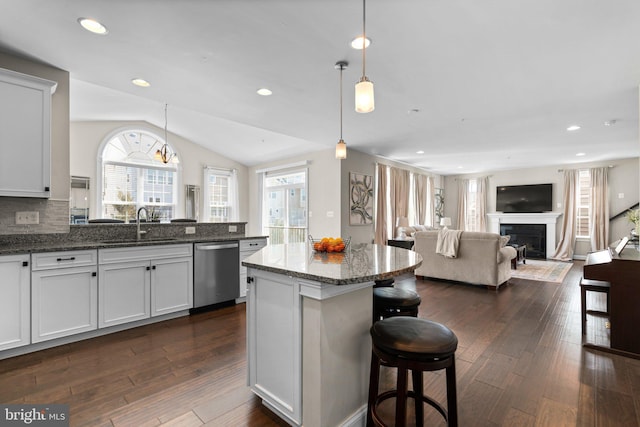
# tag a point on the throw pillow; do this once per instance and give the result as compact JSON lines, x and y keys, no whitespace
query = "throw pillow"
{"x":504,"y":240}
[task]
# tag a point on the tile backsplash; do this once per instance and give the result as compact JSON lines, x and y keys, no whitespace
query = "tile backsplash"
{"x":54,"y":215}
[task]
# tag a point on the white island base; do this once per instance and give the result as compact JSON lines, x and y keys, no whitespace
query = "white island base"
{"x":309,"y":348}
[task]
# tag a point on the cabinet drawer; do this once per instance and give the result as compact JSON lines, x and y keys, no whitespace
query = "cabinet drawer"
{"x":48,"y":260}
{"x":252,"y":245}
{"x":106,"y":256}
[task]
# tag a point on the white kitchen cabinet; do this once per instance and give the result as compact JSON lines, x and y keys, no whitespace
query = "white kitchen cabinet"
{"x":15,"y":312}
{"x":171,"y":285}
{"x":140,"y":282}
{"x":25,"y":125}
{"x":64,"y":294}
{"x":247,"y":248}
{"x":124,"y":293}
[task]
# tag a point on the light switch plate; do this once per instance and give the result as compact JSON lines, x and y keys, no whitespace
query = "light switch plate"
{"x":27,"y":217}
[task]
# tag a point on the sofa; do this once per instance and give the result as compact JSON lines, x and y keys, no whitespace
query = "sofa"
{"x":482,"y":258}
{"x":409,"y":230}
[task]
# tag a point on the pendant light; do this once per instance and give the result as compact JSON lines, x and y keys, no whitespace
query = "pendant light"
{"x":364,"y":88}
{"x":341,"y":146}
{"x":163,"y":154}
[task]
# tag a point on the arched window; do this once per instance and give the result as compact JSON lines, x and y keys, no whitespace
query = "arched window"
{"x":132,"y":178}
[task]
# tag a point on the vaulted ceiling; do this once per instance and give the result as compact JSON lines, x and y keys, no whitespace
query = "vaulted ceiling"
{"x":476,"y":85}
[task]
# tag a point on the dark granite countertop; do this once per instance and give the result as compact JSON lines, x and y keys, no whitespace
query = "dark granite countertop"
{"x":114,"y":236}
{"x":13,"y":249}
{"x":359,"y":263}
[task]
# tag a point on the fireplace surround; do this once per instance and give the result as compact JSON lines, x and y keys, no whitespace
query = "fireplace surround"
{"x":550,"y":220}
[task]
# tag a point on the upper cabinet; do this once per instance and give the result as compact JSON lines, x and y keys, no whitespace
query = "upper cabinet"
{"x":25,"y":134}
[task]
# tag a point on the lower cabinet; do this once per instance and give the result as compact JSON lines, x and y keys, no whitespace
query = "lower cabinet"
{"x":64,"y":294}
{"x":171,"y":285}
{"x":15,"y":301}
{"x":140,"y":282}
{"x":248,"y":247}
{"x":125,"y":293}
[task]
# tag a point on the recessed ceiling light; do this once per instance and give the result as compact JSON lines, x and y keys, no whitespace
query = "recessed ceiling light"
{"x":264,"y":91}
{"x":420,"y":152}
{"x":93,"y":26}
{"x":581,"y":154}
{"x":141,"y":82}
{"x":357,"y":43}
{"x":573,"y":127}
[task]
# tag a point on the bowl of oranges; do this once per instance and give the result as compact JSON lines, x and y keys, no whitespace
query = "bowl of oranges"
{"x":329,"y":244}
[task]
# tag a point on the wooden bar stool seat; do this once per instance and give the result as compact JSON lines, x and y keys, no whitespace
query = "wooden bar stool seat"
{"x":418,"y":345}
{"x":389,"y":302}
{"x":589,"y":285}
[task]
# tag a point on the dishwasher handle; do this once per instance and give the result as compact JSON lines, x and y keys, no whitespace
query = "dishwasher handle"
{"x":215,"y":247}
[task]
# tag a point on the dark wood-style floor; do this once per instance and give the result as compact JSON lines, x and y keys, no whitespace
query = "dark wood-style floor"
{"x":519,"y":363}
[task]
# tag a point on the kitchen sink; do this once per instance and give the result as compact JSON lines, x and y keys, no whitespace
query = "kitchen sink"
{"x":143,"y":240}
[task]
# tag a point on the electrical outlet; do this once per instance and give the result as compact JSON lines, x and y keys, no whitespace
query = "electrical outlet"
{"x":233,"y":228}
{"x":620,"y":195}
{"x":25,"y":218}
{"x":329,"y":214}
{"x":190,"y":230}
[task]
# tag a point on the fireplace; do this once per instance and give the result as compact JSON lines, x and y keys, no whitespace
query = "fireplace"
{"x":549,"y":219}
{"x":532,"y":236}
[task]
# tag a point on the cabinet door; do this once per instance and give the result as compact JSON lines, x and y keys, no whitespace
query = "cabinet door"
{"x":124,"y":293}
{"x":15,"y":313}
{"x":247,"y":248}
{"x":64,"y":302}
{"x":171,"y":285}
{"x":25,"y":121}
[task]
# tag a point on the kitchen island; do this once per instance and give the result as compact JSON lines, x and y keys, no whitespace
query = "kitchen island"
{"x":308,"y":320}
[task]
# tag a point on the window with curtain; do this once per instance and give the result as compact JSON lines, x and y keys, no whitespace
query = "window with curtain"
{"x":583,"y":204}
{"x":401,"y":193}
{"x":472,"y":204}
{"x":131,"y":178}
{"x":220,"y":195}
{"x":471,"y":215}
{"x":284,"y":206}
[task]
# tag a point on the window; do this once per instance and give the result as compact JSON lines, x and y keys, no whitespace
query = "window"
{"x":220,"y":195}
{"x":131,"y":178}
{"x":583,"y":204}
{"x":471,"y":214}
{"x":284,"y":212}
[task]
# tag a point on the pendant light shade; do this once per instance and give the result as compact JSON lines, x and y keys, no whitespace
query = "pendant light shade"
{"x":364,"y":96}
{"x":341,"y":150}
{"x":364,"y":88}
{"x":341,"y":146}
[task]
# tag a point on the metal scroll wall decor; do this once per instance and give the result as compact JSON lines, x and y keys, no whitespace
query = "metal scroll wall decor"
{"x":360,"y":199}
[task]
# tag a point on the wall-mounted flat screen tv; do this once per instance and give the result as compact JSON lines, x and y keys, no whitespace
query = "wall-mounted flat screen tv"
{"x":524,"y":198}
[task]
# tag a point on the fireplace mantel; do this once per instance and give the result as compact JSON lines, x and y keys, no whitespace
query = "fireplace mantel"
{"x":548,"y":218}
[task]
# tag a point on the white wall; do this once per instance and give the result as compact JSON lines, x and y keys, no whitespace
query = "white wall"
{"x":622,"y":180}
{"x":324,"y":193}
{"x":87,"y":137}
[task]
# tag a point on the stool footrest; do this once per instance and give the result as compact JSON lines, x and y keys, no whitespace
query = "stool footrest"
{"x":394,"y":393}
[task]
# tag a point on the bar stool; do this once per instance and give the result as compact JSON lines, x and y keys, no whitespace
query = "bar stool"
{"x":419,"y":345}
{"x":589,"y":285}
{"x":389,"y":302}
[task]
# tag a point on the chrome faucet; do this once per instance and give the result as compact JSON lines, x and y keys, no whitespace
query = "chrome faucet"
{"x":139,"y":232}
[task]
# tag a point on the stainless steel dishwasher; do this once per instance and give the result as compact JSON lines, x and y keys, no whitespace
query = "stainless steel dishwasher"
{"x":216,"y":269}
